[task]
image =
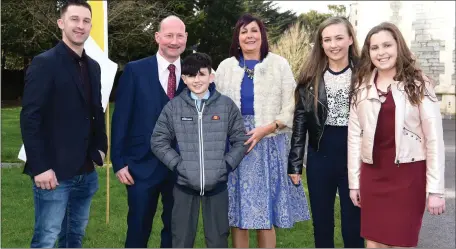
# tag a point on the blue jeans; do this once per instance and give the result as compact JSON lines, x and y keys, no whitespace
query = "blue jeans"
{"x":63,"y":213}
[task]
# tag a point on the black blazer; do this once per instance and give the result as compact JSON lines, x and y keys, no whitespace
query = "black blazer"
{"x":55,"y":116}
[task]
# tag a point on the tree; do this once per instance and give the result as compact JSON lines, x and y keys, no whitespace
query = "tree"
{"x":311,"y":20}
{"x":214,"y":21}
{"x":275,"y":22}
{"x":337,"y":10}
{"x":131,"y":28}
{"x":28,"y":27}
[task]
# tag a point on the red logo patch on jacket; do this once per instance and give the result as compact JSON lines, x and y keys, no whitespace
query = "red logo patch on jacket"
{"x":215,"y":117}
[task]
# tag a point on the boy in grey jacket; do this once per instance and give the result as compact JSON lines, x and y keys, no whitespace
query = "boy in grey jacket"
{"x":201,"y":120}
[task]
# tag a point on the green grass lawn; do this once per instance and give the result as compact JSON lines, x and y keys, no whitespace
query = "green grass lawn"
{"x":17,"y":210}
{"x":18,"y":217}
{"x":11,"y":134}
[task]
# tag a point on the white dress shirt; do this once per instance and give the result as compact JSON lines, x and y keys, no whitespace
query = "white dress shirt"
{"x":163,"y":72}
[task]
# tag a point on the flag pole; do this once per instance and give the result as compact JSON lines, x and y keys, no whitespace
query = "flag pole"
{"x":108,"y":121}
{"x":108,"y":161}
{"x":98,"y":49}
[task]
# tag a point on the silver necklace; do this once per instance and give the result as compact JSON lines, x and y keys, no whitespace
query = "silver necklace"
{"x":250,"y":72}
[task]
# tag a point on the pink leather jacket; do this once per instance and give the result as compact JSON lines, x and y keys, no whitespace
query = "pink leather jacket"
{"x":418,"y":133}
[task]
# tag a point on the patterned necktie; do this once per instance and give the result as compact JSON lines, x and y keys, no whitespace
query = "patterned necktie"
{"x":171,"y":81}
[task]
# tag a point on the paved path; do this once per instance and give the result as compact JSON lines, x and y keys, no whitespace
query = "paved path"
{"x":439,"y":231}
{"x":10,"y":165}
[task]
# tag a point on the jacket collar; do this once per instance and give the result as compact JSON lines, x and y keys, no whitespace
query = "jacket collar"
{"x":260,"y":66}
{"x":322,"y":95}
{"x":69,"y":62}
{"x":163,"y":64}
{"x":372,"y":92}
{"x":214,"y":94}
{"x":195,"y":97}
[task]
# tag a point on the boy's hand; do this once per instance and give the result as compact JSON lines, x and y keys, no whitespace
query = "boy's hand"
{"x":124,"y":176}
{"x":257,"y":134}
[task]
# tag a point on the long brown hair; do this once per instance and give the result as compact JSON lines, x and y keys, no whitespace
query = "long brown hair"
{"x":317,"y":61}
{"x":406,"y":69}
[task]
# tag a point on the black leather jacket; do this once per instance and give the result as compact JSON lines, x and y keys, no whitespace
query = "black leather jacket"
{"x":306,"y":120}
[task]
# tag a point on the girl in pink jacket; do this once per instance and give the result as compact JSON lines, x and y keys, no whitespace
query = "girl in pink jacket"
{"x":395,"y":142}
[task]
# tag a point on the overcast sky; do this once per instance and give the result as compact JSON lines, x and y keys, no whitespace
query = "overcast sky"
{"x":305,"y":6}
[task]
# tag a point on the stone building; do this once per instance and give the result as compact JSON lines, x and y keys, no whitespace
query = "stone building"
{"x":429,"y":30}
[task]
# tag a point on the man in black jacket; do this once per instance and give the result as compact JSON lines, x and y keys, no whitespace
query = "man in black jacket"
{"x":63,"y":130}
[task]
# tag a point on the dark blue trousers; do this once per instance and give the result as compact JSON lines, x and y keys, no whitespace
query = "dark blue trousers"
{"x":327,"y":175}
{"x":142,"y":204}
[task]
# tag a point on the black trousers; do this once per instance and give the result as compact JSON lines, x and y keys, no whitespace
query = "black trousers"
{"x":184,"y":221}
{"x":327,"y":174}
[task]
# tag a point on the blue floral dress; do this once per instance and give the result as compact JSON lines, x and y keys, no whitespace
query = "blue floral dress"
{"x":261,"y":194}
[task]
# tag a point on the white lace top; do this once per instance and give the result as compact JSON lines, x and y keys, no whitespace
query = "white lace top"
{"x":337,"y":86}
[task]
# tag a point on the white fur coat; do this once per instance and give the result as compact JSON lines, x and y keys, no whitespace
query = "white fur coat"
{"x":274,"y":86}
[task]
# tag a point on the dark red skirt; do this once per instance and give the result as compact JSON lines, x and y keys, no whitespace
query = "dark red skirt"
{"x":393,"y":197}
{"x":393,"y":201}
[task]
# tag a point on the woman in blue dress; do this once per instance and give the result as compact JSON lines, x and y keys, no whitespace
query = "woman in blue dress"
{"x":261,"y":83}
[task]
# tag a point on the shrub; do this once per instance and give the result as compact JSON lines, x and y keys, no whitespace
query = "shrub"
{"x":293,"y":45}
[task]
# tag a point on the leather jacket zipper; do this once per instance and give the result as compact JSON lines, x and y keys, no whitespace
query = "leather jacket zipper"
{"x":323,"y":125}
{"x":321,"y":135}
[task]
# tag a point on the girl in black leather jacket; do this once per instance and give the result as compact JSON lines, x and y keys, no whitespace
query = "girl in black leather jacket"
{"x":322,"y":108}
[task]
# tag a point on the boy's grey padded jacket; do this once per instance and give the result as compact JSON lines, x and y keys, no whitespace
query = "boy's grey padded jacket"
{"x":201,"y":135}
